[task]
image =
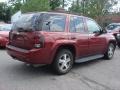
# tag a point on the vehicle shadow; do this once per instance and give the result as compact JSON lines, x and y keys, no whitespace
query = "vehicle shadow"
{"x":21,"y":70}
{"x":117,"y":48}
{"x":3,"y":48}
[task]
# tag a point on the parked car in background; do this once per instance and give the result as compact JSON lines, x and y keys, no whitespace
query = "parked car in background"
{"x":114,"y":28}
{"x":4,"y":34}
{"x":58,"y":39}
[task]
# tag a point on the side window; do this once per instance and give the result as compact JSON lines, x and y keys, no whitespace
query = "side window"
{"x":54,"y":23}
{"x":76,"y":24}
{"x":92,"y":26}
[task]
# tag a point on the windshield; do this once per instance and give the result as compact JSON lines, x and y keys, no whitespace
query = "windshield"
{"x":112,"y":27}
{"x":6,"y":27}
{"x":24,"y":23}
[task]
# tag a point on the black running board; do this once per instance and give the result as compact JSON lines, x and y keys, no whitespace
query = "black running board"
{"x":85,"y":59}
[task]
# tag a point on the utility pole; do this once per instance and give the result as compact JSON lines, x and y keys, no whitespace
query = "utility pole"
{"x":63,"y":4}
{"x":84,"y":7}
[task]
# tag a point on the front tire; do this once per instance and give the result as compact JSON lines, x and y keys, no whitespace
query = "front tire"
{"x":63,"y":62}
{"x":110,"y":51}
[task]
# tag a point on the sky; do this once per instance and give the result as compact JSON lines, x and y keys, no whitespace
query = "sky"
{"x":117,"y":7}
{"x":3,"y":0}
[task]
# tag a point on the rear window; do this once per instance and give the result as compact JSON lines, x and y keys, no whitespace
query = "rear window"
{"x":25,"y":22}
{"x":38,"y":22}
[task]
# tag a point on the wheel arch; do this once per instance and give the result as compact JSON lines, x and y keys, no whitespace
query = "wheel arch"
{"x":110,"y":41}
{"x":114,"y":42}
{"x":70,"y":47}
{"x":106,"y":56}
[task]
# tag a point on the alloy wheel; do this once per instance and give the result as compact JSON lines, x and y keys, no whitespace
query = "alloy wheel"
{"x":111,"y":51}
{"x":64,"y":62}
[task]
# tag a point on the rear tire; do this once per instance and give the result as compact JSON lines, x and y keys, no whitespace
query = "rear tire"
{"x":110,"y":51}
{"x":63,"y":62}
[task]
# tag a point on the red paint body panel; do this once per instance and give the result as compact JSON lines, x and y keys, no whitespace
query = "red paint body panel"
{"x":3,"y":38}
{"x":4,"y":33}
{"x":97,"y":44}
{"x":34,"y":56}
{"x":81,"y":42}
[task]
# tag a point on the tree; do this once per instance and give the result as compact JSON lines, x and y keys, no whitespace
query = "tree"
{"x":92,"y":8}
{"x":96,"y":9}
{"x":35,"y":5}
{"x":5,"y":12}
{"x":76,"y":7}
{"x":58,"y":3}
{"x":54,"y":4}
{"x":65,"y":3}
{"x":16,"y":5}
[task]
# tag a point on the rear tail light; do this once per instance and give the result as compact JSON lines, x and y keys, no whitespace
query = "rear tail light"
{"x":39,"y":41}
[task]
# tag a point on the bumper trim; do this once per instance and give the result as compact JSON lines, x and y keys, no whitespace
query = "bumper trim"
{"x":17,"y":49}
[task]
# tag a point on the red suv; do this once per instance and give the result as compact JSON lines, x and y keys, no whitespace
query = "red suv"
{"x":58,"y":39}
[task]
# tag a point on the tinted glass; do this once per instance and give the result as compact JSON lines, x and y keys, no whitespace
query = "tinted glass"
{"x":92,"y":26}
{"x":112,"y":27}
{"x":76,"y":24}
{"x":53,"y":22}
{"x":25,"y":22}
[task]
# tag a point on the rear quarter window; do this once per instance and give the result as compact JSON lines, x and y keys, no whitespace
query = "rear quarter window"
{"x":77,"y":24}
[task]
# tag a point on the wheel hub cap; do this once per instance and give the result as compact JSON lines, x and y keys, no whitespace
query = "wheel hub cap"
{"x":64,"y":62}
{"x":111,"y":51}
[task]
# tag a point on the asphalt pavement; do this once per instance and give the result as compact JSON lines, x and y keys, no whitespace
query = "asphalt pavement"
{"x":93,"y":75}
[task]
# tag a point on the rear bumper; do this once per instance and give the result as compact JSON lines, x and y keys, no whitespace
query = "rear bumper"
{"x":34,"y":56}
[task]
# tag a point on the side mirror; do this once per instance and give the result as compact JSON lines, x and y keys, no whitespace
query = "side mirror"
{"x":103,"y":31}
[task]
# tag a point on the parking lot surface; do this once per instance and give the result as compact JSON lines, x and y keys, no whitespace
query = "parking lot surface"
{"x":94,"y":75}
